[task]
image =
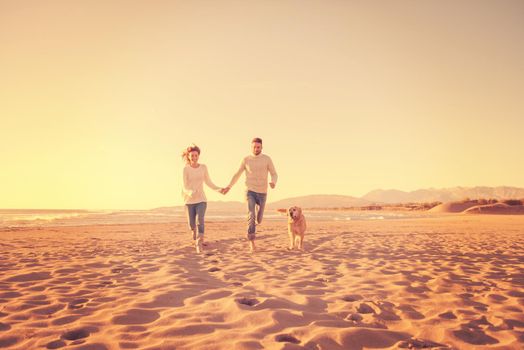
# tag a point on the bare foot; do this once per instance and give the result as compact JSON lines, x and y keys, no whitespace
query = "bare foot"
{"x":198,"y":245}
{"x":252,"y":247}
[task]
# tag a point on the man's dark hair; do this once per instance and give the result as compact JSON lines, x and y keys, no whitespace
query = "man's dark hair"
{"x":257,"y":140}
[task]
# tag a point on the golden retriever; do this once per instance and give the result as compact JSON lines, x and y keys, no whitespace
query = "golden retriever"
{"x":296,"y":227}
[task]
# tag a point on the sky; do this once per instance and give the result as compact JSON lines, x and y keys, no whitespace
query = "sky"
{"x":99,"y":98}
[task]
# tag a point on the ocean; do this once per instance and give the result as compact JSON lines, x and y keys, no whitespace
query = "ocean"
{"x":49,"y":218}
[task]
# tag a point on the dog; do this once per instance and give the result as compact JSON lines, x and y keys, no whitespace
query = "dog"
{"x":296,"y":227}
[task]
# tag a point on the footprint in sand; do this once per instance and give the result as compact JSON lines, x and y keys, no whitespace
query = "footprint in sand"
{"x":76,"y":334}
{"x":286,"y":338}
{"x":214,"y":269}
{"x":514,"y":323}
{"x":104,"y":284}
{"x":64,"y":320}
{"x":136,"y":316}
{"x":387,"y":311}
{"x":421,"y":344}
{"x":352,"y":297}
{"x":30,"y":277}
{"x":8,"y":341}
{"x":56,"y":344}
{"x":355,"y":317}
{"x":365,"y":309}
{"x":516,"y":294}
{"x":10,"y":295}
{"x":474,"y":336}
{"x":410,"y":313}
{"x":77,"y":303}
{"x":497,"y":298}
{"x":448,"y":315}
{"x":48,"y":310}
{"x":472,"y":332}
{"x":247,"y":301}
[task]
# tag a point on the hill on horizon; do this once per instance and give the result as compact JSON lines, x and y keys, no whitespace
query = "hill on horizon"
{"x":376,"y":197}
{"x":444,"y":195}
{"x":319,"y":201}
{"x":309,"y":201}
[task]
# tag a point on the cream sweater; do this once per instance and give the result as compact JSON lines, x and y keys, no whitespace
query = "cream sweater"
{"x":256,"y":169}
{"x":194,"y":178}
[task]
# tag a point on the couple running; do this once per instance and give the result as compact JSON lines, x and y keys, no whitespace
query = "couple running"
{"x":256,"y":168}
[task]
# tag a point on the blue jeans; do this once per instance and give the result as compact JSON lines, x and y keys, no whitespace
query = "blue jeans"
{"x":195,"y":218}
{"x":255,"y":206}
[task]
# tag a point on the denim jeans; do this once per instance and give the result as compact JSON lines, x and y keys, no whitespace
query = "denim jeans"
{"x":195,"y":218}
{"x":255,"y":206}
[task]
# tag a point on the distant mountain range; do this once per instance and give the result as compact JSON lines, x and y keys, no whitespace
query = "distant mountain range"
{"x":311,"y":201}
{"x":320,"y":201}
{"x":379,"y":197}
{"x":444,"y":194}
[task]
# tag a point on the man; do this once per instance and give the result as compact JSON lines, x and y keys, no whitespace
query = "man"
{"x":256,"y":168}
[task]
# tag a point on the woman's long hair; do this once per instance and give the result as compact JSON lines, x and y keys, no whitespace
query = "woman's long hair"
{"x":188,"y":150}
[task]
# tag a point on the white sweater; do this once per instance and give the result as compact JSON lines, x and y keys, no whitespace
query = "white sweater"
{"x":256,"y":169}
{"x":194,"y":178}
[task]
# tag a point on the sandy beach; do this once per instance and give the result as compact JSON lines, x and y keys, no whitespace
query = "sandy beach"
{"x":454,"y":282}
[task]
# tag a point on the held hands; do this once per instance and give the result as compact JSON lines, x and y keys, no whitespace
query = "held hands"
{"x":225,"y":190}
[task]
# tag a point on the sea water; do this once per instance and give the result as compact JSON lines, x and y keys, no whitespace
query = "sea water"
{"x":48,"y":218}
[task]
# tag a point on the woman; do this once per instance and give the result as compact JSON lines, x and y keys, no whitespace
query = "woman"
{"x":195,"y":174}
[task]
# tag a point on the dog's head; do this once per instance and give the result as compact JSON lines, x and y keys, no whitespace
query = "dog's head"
{"x":294,"y":213}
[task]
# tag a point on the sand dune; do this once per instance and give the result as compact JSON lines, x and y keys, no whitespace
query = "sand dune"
{"x":453,"y":207}
{"x":473,"y":207}
{"x":443,"y":283}
{"x":497,"y":208}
